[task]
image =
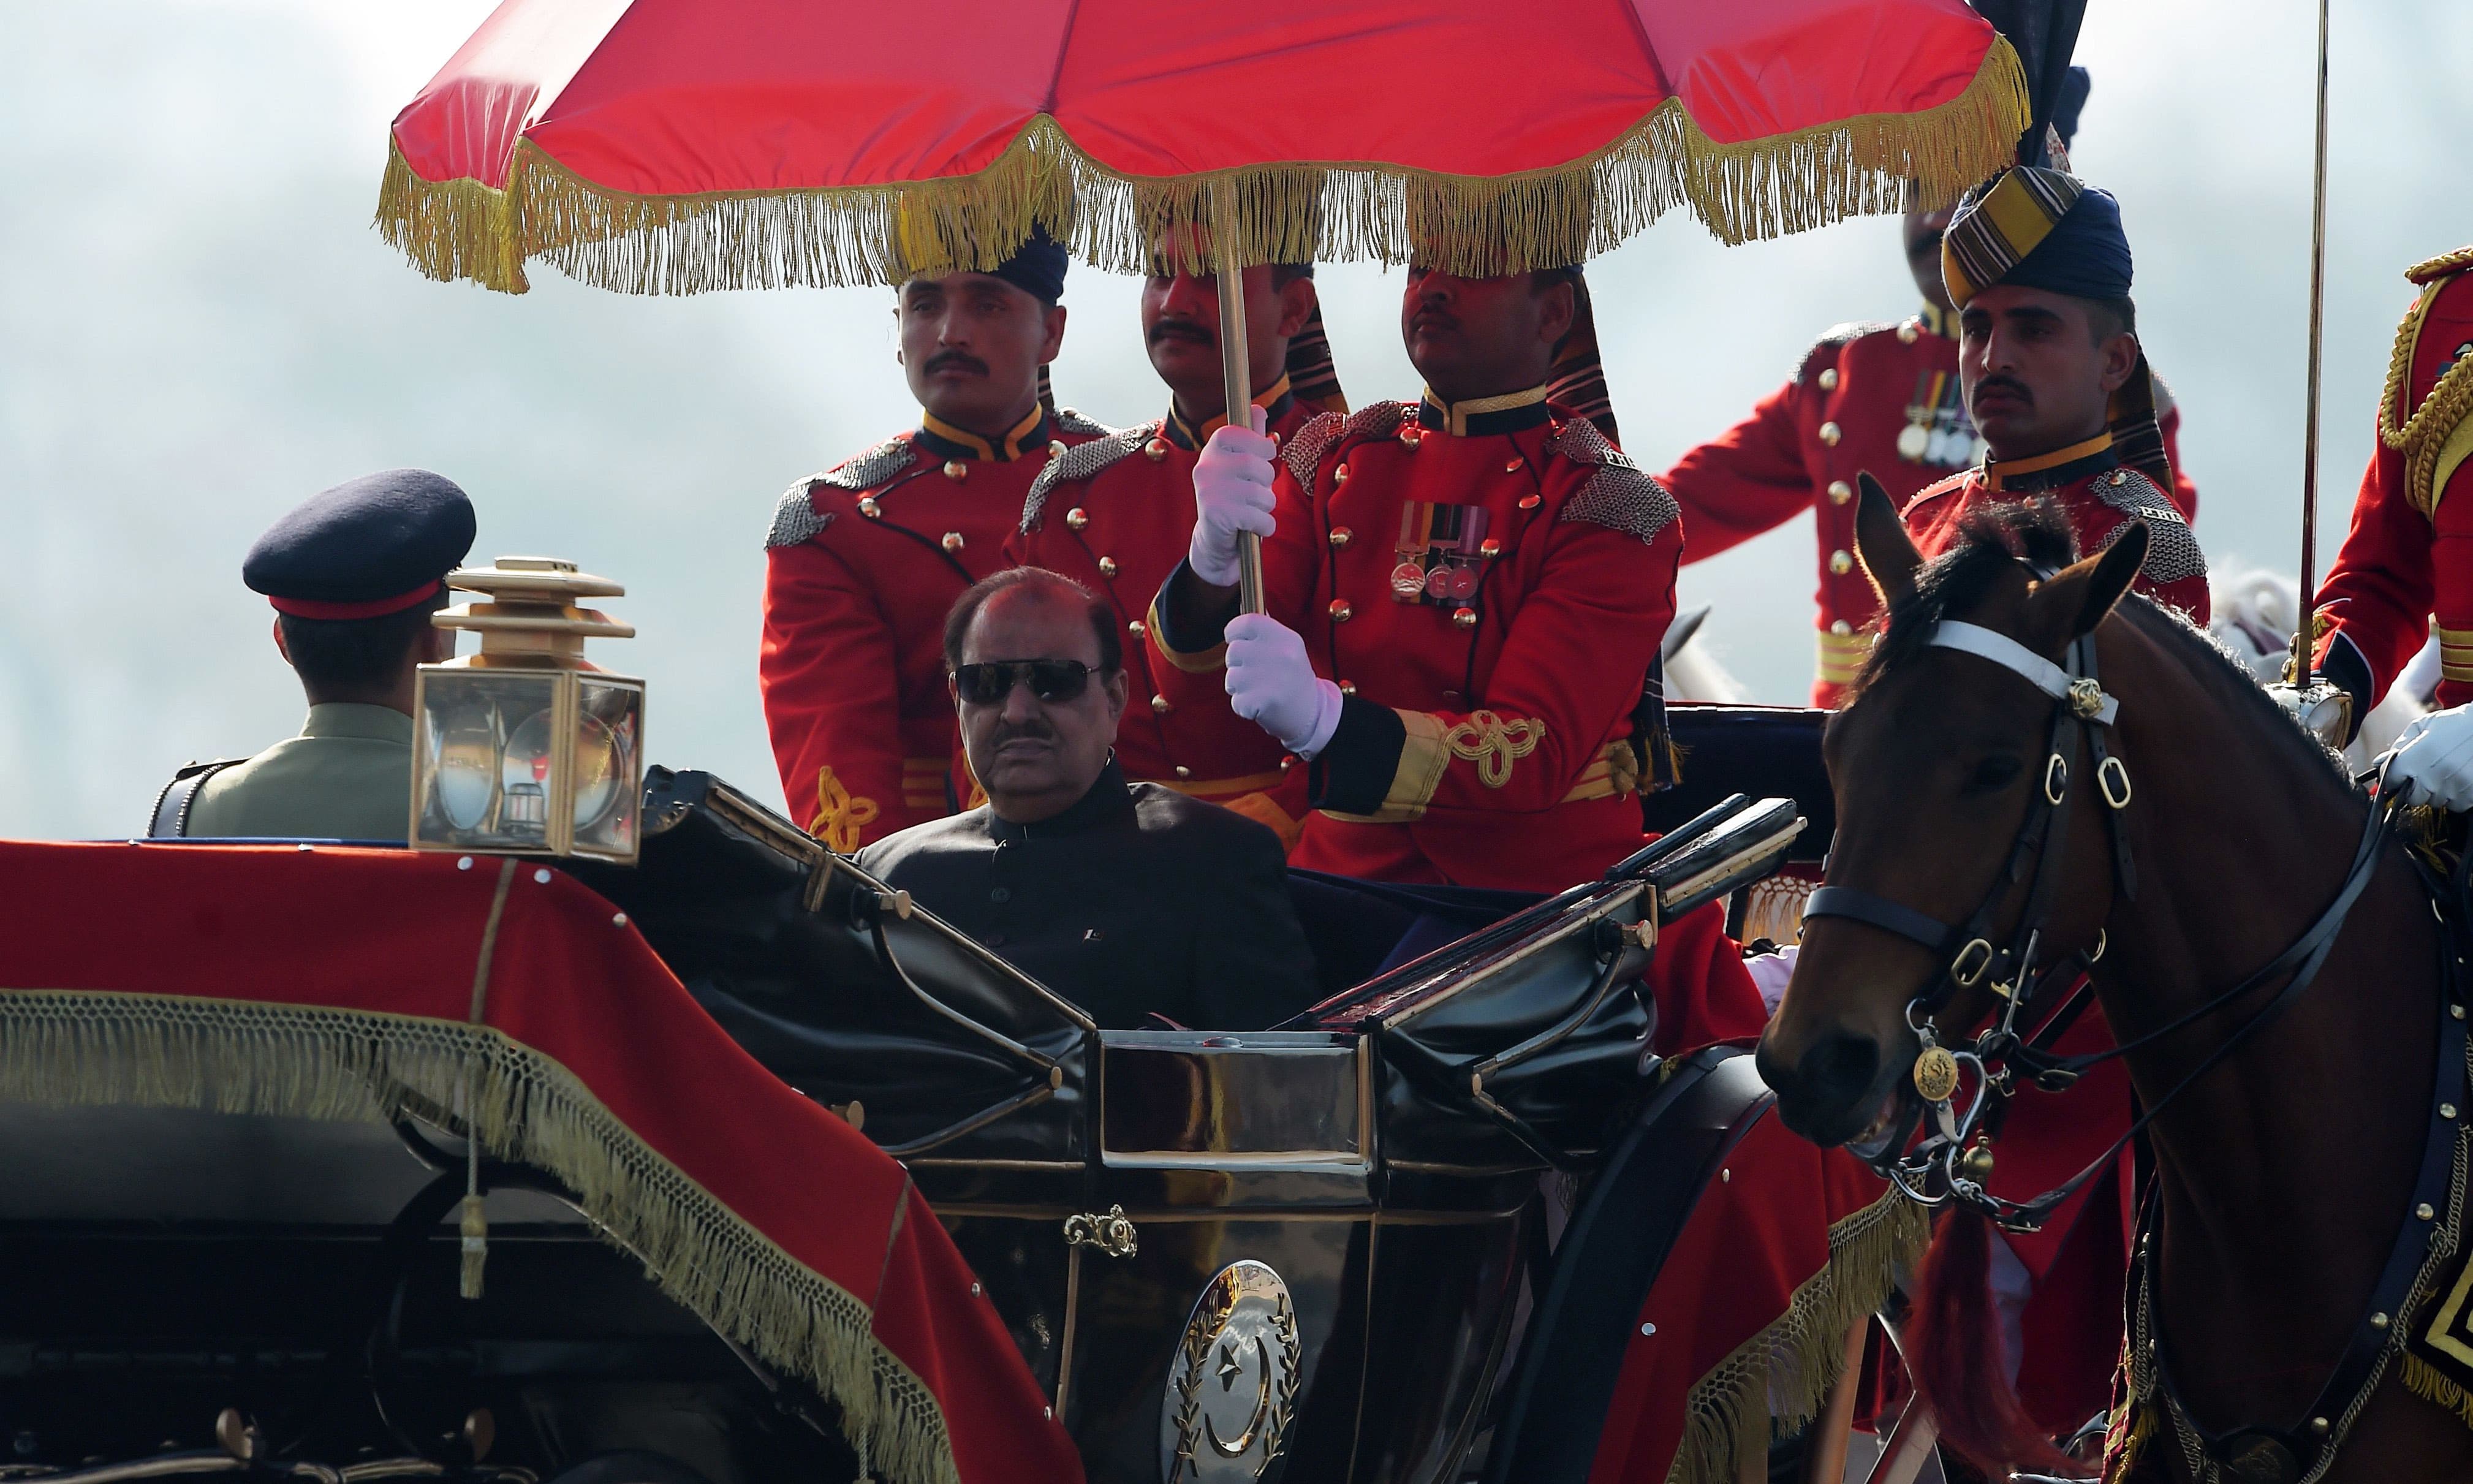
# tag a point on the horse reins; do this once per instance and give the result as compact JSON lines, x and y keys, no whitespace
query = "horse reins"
{"x":1941,"y":1169}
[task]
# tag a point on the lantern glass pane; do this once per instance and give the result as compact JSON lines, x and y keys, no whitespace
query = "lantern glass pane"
{"x":608,"y":766}
{"x":481,"y":770}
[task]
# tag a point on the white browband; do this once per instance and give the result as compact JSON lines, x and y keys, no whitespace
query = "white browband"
{"x":2010,"y":655}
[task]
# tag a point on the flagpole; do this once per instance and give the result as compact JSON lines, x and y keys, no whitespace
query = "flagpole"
{"x":1235,"y":371}
{"x":2304,"y":632}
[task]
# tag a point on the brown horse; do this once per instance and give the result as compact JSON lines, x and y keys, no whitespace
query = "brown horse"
{"x":2285,"y":1174}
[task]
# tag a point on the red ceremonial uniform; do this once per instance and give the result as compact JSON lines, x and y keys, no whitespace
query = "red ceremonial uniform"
{"x":1487,"y":584}
{"x":2408,"y":560}
{"x":861,"y":566}
{"x":2101,"y":495}
{"x":1117,"y":514}
{"x":1876,"y":398}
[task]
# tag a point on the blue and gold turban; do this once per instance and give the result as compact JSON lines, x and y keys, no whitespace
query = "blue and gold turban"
{"x":2030,"y":227}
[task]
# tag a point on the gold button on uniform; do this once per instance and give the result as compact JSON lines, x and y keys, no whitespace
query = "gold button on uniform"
{"x":868,"y":507}
{"x":1512,"y":467}
{"x":1829,"y":379}
{"x":1347,"y":687}
{"x":1077,"y":518}
{"x":1489,"y":547}
{"x":1055,"y":446}
{"x":955,"y":468}
{"x":1842,"y":628}
{"x":1909,"y":331}
{"x":1840,"y":491}
{"x":1829,"y":433}
{"x":1184,"y":772}
{"x":2120,"y":476}
{"x":1339,"y":475}
{"x":952,"y":540}
{"x":1411,"y":436}
{"x":1107,"y":566}
{"x":1156,"y":449}
{"x":1136,"y":629}
{"x":1160,"y":705}
{"x":1465,"y":617}
{"x":1840,"y":562}
{"x":1529,"y":502}
{"x":1339,"y":610}
{"x":1340,"y":537}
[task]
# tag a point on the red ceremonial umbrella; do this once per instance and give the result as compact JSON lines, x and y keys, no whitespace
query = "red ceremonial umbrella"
{"x":675,"y":146}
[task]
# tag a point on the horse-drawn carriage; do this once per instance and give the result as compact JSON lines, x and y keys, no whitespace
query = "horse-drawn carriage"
{"x":1321,"y":1251}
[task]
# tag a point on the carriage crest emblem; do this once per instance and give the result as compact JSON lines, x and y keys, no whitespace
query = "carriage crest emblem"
{"x":1231,"y":1390}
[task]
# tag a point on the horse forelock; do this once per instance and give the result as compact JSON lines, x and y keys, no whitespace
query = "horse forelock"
{"x":1992,"y":541}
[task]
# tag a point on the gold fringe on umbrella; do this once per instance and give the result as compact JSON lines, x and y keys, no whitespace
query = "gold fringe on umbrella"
{"x":1325,"y":211}
{"x":84,"y":1048}
{"x":1776,"y":1382}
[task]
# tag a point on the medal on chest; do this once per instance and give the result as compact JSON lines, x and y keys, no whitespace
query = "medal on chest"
{"x":1442,"y":552}
{"x":1938,"y":432}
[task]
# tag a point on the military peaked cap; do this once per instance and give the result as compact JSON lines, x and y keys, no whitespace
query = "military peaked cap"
{"x":372,"y":547}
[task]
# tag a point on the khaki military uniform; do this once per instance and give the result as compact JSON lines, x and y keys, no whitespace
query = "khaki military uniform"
{"x":348,"y":776}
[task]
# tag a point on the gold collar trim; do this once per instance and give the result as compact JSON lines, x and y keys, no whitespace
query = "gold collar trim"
{"x":1268,"y":398}
{"x":1023,"y":437}
{"x":1997,"y":472}
{"x":1454,"y":416}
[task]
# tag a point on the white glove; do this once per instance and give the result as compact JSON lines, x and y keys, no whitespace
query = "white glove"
{"x":1770,"y":973}
{"x":2433,"y":759}
{"x":1272,"y":684}
{"x":1231,"y":493}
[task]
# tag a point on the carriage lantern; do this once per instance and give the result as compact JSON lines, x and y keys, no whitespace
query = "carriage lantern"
{"x":527,"y":748}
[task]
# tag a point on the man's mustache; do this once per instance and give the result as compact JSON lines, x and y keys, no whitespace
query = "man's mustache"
{"x":1182,"y":329}
{"x":2009,"y":383}
{"x":1438,"y":318}
{"x":955,"y":360}
{"x":1030,"y":732}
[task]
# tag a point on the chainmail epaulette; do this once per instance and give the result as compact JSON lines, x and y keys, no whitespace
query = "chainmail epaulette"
{"x":795,"y":516}
{"x":2171,"y":550}
{"x":1838,"y":337}
{"x":1305,"y":452}
{"x":1070,"y":421}
{"x":1620,"y":494}
{"x":1080,"y":461}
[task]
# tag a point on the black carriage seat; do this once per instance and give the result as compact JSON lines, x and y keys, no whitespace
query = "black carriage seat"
{"x":1763,"y":752}
{"x":1359,"y":929}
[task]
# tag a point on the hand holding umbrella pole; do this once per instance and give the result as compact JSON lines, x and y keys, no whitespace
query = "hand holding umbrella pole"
{"x":1236,"y":370}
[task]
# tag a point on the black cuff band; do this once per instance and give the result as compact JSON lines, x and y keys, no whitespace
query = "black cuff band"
{"x":1354,"y":772}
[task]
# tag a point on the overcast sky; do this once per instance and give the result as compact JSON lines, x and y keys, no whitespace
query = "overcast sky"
{"x":199,"y":328}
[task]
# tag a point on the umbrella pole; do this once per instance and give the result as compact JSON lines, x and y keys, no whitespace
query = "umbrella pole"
{"x":1236,"y":370}
{"x":2305,"y":623}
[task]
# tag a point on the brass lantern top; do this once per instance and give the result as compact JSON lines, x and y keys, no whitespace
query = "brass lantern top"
{"x":532,"y":620}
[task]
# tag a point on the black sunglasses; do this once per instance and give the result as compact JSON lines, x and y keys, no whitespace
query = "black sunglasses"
{"x":1050,"y":679}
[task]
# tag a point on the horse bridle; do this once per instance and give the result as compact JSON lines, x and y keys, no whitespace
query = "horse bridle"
{"x":1943,"y":1168}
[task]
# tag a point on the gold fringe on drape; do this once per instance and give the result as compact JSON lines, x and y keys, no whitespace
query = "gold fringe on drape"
{"x":1325,"y":212}
{"x":2426,"y":1382}
{"x":1781,"y":1376}
{"x":83,"y":1049}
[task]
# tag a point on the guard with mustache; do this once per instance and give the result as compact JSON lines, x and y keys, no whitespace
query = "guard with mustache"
{"x":1466,"y":593}
{"x":864,"y":560}
{"x":1877,"y":397}
{"x":1117,"y":514}
{"x":2039,"y":270}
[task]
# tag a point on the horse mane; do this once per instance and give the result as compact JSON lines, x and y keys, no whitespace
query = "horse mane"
{"x":2037,"y":532}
